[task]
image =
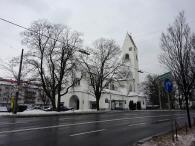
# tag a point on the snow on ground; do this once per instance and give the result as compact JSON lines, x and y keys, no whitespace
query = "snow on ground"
{"x":166,"y":140}
{"x":41,"y":112}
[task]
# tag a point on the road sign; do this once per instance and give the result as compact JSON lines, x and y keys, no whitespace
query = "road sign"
{"x":165,"y":76}
{"x":168,"y":85}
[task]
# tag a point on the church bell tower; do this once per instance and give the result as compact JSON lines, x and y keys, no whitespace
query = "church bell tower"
{"x":130,"y":59}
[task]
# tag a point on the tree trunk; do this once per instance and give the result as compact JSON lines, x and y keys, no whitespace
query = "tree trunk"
{"x":180,"y":102}
{"x":53,"y":103}
{"x":188,"y":112}
{"x":97,"y":103}
{"x":59,"y":101}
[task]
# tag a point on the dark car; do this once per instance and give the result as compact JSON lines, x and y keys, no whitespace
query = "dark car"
{"x":20,"y":108}
{"x":64,"y":108}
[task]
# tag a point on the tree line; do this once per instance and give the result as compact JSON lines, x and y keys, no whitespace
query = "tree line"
{"x":56,"y":59}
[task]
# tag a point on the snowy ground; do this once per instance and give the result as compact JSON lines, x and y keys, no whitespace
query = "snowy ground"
{"x":166,"y":140}
{"x":41,"y":112}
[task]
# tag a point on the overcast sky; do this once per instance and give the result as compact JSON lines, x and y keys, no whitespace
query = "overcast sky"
{"x":145,"y":20}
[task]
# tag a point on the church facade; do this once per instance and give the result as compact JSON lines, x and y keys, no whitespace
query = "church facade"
{"x":121,"y":96}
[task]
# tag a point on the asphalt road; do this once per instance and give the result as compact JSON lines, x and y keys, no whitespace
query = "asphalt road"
{"x":105,"y":129}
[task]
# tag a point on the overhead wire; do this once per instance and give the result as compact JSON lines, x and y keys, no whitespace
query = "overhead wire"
{"x":82,"y":51}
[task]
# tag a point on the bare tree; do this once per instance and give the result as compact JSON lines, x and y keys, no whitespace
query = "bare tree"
{"x":102,"y":66}
{"x":176,"y":45}
{"x":151,"y":89}
{"x":11,"y":69}
{"x":51,"y":57}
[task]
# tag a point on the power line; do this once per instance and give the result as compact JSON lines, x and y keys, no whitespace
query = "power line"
{"x":49,"y":37}
{"x":82,"y":51}
{"x":18,"y":25}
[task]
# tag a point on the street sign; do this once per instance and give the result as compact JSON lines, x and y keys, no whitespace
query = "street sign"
{"x":165,"y":76}
{"x":168,"y":85}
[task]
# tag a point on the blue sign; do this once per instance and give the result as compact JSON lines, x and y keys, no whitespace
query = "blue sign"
{"x":168,"y":85}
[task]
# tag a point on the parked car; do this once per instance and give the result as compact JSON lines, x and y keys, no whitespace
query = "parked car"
{"x":20,"y":108}
{"x":48,"y":109}
{"x":64,"y":108}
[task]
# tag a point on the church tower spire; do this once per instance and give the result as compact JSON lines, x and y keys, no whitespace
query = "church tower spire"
{"x":130,"y":58}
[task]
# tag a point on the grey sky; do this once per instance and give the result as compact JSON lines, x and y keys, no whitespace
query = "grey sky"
{"x":144,"y":19}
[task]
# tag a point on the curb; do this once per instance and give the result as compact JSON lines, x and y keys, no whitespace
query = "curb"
{"x":149,"y":138}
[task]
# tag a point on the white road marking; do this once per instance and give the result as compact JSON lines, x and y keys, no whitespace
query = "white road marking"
{"x":64,"y":119}
{"x":137,"y":124}
{"x":88,"y":132}
{"x":164,"y":120}
{"x":180,"y":118}
{"x":75,"y":124}
{"x":1,"y":124}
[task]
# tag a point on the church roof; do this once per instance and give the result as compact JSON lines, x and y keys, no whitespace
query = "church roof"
{"x":130,"y":37}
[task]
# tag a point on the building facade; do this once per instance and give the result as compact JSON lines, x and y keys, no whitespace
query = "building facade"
{"x":28,"y":94}
{"x":116,"y":96}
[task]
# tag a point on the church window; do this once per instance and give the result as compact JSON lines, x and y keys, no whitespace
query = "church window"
{"x":112,"y":87}
{"x":77,"y":82}
{"x":126,"y":56}
{"x":130,"y":48}
{"x":130,"y":88}
{"x":136,"y":57}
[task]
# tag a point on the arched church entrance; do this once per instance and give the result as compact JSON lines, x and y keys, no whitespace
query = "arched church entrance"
{"x":74,"y":102}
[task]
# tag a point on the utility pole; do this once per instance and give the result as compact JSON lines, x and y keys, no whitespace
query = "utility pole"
{"x":159,"y":95}
{"x":18,"y":84}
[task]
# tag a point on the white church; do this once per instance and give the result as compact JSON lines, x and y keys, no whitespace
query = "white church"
{"x":115,"y":97}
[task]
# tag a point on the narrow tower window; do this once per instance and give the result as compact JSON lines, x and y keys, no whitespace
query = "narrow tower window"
{"x":126,"y":56}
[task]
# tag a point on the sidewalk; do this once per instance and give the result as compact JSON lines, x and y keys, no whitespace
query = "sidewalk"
{"x":40,"y":113}
{"x":166,"y":139}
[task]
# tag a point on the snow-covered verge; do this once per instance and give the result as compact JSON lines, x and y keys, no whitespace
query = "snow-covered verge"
{"x":166,"y":140}
{"x":37,"y":112}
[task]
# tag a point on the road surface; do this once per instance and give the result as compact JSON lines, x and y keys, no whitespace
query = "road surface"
{"x":103,"y":129}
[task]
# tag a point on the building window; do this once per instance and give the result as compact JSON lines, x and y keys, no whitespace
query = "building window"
{"x":126,"y":56}
{"x":77,"y":82}
{"x":129,"y":74}
{"x":106,"y":100}
{"x":106,"y":86}
{"x":112,"y":87}
{"x":84,"y":75}
{"x":130,"y":87}
{"x":136,"y":57}
{"x":130,"y":48}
